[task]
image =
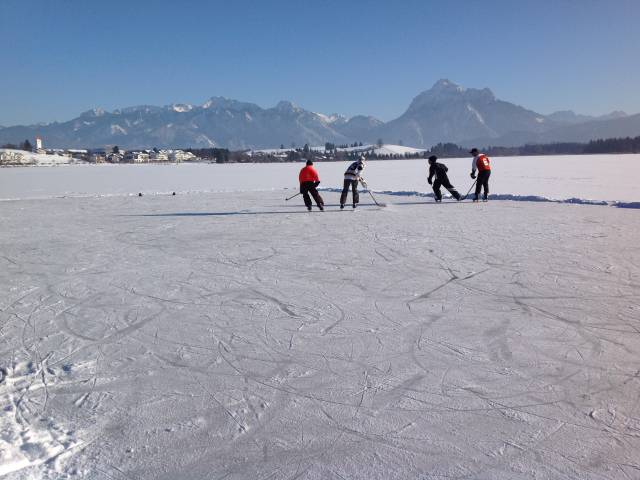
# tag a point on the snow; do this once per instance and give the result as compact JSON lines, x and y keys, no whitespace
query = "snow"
{"x":181,"y":107}
{"x":11,"y":156}
{"x":228,"y":333}
{"x":596,"y":177}
{"x":235,"y":335}
{"x":387,"y":149}
{"x":117,"y":129}
{"x":475,"y":113}
{"x":330,"y":118}
{"x":396,"y":150}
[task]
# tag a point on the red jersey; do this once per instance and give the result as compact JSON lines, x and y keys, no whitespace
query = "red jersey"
{"x":482,"y":163}
{"x":309,"y":174}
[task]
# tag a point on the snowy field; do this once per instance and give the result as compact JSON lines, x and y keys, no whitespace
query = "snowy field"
{"x":237,"y":336}
{"x":592,"y":177}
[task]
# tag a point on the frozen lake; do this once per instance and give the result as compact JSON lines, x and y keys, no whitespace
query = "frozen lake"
{"x":237,"y":336}
{"x":592,"y":177}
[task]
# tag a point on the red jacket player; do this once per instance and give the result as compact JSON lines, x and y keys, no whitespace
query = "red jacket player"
{"x":309,"y":181}
{"x":481,"y":163}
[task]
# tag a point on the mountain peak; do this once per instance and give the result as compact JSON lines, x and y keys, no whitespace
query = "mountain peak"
{"x":445,"y":91}
{"x":615,"y":114}
{"x":446,"y":85}
{"x":287,"y":106}
{"x":214,"y":102}
{"x":225,"y":103}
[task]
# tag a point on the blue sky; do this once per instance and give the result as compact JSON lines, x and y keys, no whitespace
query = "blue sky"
{"x":61,"y":57}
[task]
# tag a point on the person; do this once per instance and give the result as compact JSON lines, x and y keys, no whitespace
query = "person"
{"x":482,"y":163}
{"x":352,"y":176}
{"x":309,"y":181}
{"x":439,"y":171}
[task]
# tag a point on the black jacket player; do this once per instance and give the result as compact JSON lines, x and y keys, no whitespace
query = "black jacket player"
{"x":439,"y":170}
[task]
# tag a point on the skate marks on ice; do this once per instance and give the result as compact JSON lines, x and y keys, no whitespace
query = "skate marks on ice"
{"x":29,"y":435}
{"x":402,"y":343}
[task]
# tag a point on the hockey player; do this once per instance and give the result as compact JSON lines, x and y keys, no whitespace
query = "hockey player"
{"x":439,"y":171}
{"x":309,"y":181}
{"x":352,"y":176}
{"x":482,"y":163}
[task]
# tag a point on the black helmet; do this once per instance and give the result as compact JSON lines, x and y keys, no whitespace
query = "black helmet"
{"x":309,"y":162}
{"x":432,"y":159}
{"x":474,"y":151}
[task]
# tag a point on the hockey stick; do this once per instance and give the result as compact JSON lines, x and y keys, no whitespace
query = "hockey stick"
{"x":472,"y":185}
{"x":292,"y":196}
{"x":366,"y":187}
{"x":375,"y":201}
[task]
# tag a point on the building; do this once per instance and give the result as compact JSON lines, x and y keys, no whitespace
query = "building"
{"x":114,"y":157}
{"x":159,"y":156}
{"x":181,"y":156}
{"x":136,"y":157}
{"x":39,"y":148}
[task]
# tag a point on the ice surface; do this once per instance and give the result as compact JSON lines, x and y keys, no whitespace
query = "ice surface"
{"x":238,"y":336}
{"x":593,"y":177}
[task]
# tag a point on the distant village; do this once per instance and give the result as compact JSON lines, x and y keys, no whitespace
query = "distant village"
{"x":28,"y":154}
{"x":20,"y":155}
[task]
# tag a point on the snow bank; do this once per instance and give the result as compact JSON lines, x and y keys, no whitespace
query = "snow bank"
{"x":515,"y":198}
{"x":627,"y":204}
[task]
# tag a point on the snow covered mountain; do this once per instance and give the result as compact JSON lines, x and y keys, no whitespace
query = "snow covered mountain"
{"x":626,"y":126}
{"x":218,"y":122}
{"x":447,"y":112}
{"x":450,"y":113}
{"x":569,"y":117}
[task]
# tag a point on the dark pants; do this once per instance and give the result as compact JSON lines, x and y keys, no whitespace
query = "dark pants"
{"x":345,"y":191}
{"x":444,"y":182}
{"x":307,"y":188}
{"x":483,"y":183}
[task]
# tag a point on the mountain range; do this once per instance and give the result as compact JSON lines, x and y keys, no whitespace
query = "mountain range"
{"x":446,"y":112}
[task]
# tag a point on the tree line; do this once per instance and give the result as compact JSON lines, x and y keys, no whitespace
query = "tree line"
{"x":26,"y":146}
{"x":609,"y":145}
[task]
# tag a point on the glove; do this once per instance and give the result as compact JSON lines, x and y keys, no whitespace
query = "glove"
{"x":429,"y":180}
{"x":364,"y":184}
{"x":316,"y":184}
{"x":473,"y":174}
